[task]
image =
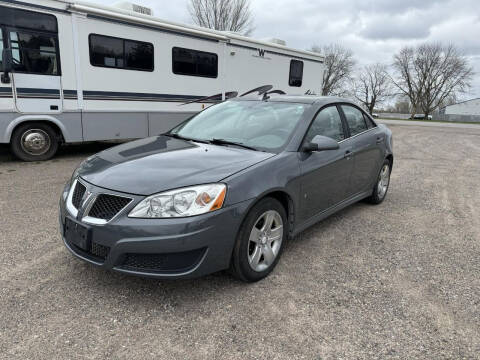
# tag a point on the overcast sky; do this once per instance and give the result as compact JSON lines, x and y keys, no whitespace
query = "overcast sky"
{"x":373,"y":29}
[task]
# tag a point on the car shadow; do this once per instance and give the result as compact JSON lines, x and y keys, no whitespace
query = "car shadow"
{"x":330,"y":223}
{"x":147,"y":292}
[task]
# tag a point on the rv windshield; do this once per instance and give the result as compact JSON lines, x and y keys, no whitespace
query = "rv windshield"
{"x":261,"y":125}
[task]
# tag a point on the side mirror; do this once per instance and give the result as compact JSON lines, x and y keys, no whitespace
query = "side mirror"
{"x":7,"y":65}
{"x":320,"y":143}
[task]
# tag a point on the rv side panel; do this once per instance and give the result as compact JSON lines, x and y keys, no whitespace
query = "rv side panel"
{"x":250,"y":67}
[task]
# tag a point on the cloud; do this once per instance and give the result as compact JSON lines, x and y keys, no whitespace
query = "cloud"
{"x":396,"y":7}
{"x":409,"y":25}
{"x":374,"y":29}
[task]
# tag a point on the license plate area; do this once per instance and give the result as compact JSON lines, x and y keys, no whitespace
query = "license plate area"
{"x":77,"y":234}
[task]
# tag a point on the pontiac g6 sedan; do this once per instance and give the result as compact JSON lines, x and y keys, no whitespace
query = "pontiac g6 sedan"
{"x":226,"y":188}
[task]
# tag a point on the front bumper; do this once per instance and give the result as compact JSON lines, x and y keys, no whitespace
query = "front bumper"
{"x":160,"y":248}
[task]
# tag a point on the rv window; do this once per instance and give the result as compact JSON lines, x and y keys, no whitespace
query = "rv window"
{"x":27,"y":19}
{"x":138,"y":55}
{"x":107,"y":51}
{"x":296,"y":73}
{"x":194,"y":63}
{"x":34,"y":54}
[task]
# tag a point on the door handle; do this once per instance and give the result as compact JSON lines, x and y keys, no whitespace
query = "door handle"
{"x":348,"y":154}
{"x":379,"y":139}
{"x":5,"y":79}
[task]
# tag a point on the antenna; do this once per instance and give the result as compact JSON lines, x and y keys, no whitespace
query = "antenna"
{"x":266,"y":97}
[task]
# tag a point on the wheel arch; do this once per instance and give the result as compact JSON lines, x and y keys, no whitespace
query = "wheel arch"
{"x":285,"y":199}
{"x":389,"y":157}
{"x":47,"y":119}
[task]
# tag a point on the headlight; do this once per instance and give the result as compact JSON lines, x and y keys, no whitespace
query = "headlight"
{"x":190,"y":201}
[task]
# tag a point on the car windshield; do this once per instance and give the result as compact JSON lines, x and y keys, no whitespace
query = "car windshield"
{"x":262,"y":125}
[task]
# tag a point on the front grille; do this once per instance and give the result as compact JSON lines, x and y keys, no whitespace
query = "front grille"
{"x":96,"y":252}
{"x":169,"y":262}
{"x":99,"y":251}
{"x":106,"y":206}
{"x":78,"y":193}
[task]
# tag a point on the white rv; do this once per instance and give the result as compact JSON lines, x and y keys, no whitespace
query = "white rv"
{"x":76,"y":71}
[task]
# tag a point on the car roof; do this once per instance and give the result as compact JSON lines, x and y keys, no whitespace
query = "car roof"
{"x":303,"y":99}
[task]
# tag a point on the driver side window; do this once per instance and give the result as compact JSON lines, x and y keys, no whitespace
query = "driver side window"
{"x":327,"y":123}
{"x":34,"y":53}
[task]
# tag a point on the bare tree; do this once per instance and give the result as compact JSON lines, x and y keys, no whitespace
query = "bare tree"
{"x":225,"y":15}
{"x":430,"y":74}
{"x":402,"y":106}
{"x":339,"y":65}
{"x":372,"y":86}
{"x":451,"y":100}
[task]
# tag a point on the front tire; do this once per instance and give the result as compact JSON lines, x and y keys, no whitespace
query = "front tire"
{"x":260,"y":241}
{"x":34,"y":142}
{"x":380,"y":188}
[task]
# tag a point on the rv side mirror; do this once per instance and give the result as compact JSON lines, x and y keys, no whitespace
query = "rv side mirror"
{"x":6,"y":65}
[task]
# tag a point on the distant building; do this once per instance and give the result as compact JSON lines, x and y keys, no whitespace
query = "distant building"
{"x":469,"y":107}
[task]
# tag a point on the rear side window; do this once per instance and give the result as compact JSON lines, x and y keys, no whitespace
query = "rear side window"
{"x":355,"y":120}
{"x":296,"y":73}
{"x":369,"y":121}
{"x":112,"y":52}
{"x":194,"y":63}
{"x":326,"y":123}
{"x":34,"y":53}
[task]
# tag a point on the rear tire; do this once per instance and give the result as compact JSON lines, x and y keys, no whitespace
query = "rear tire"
{"x":34,"y":142}
{"x":382,"y":184}
{"x":260,"y":241}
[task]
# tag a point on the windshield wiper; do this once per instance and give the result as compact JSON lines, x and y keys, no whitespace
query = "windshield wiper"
{"x":227,"y":142}
{"x":214,"y":141}
{"x":176,"y":136}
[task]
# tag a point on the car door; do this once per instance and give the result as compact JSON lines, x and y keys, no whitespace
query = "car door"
{"x":325,"y":175}
{"x":366,"y":140}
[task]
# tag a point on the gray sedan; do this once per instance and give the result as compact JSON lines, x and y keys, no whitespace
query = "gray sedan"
{"x":226,"y":188}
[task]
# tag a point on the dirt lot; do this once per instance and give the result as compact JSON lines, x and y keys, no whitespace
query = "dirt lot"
{"x":399,"y":280}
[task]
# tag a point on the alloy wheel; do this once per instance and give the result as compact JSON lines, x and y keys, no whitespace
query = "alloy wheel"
{"x":383,"y":181}
{"x":265,"y":240}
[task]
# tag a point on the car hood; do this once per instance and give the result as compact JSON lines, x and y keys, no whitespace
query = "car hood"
{"x":160,"y":163}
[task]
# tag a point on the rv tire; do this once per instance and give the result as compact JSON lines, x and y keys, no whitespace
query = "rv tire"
{"x":34,"y":141}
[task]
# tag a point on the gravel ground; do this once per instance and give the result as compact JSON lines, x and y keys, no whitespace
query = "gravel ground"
{"x":400,"y":280}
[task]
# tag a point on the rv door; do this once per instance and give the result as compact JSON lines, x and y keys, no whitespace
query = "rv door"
{"x":36,"y":79}
{"x":6,"y":97}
